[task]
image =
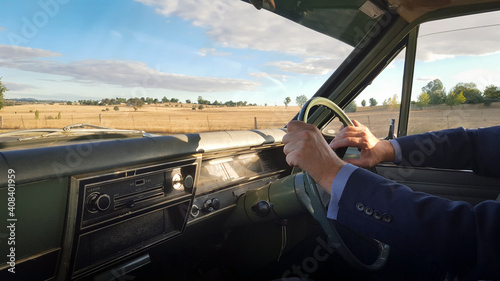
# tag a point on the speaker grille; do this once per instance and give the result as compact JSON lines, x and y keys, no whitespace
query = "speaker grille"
{"x":129,"y":236}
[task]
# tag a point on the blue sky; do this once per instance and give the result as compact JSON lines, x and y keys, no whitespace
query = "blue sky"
{"x":224,"y":50}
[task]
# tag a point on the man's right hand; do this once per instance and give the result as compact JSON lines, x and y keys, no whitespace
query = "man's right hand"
{"x":306,"y":148}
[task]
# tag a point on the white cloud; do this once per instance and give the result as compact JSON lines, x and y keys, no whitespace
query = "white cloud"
{"x":470,"y":35}
{"x":16,"y":52}
{"x":212,"y":52}
{"x":236,"y":24}
{"x":314,"y":66}
{"x":270,"y":76}
{"x":114,"y":72}
{"x":427,"y":78}
{"x":482,"y":77}
{"x":12,"y":86}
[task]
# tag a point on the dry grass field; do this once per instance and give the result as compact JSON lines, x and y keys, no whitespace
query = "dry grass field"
{"x":177,"y":119}
{"x":430,"y":118}
{"x":149,"y":118}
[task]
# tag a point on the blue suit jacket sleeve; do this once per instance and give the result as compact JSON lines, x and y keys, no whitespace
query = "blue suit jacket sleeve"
{"x":455,"y":149}
{"x":461,"y":237}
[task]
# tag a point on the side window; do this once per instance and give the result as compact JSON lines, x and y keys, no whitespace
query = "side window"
{"x":380,"y":101}
{"x":457,"y":78}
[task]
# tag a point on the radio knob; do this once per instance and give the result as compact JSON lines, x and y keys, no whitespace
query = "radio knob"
{"x":188,"y":182}
{"x":211,"y":205}
{"x":98,"y":202}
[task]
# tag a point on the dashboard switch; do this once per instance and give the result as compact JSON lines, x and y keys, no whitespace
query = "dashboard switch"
{"x":195,"y":211}
{"x":262,"y":208}
{"x":211,"y":205}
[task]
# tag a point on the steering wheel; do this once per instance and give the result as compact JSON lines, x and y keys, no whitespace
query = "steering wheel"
{"x":313,"y":203}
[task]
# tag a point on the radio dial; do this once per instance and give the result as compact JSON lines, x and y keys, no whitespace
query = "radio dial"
{"x":211,"y":205}
{"x":188,"y":182}
{"x":98,"y":202}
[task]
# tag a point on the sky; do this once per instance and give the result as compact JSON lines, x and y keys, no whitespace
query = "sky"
{"x":220,"y":50}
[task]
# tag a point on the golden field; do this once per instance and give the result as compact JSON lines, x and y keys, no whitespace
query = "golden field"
{"x":181,"y":118}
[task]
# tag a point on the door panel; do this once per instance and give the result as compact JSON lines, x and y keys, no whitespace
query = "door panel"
{"x":462,"y":185}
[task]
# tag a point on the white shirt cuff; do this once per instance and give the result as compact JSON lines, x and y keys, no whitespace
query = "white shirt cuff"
{"x":397,"y":151}
{"x":338,"y":185}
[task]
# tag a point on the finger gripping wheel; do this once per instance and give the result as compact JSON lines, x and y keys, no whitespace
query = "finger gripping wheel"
{"x":304,"y":113}
{"x":313,"y":204}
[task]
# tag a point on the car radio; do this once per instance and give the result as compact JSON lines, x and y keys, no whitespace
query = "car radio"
{"x":125,"y":210}
{"x":108,"y":199}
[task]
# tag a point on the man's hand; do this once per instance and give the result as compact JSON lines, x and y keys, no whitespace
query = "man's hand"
{"x":306,"y":148}
{"x":373,"y":150}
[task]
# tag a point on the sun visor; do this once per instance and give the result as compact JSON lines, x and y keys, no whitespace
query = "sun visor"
{"x":346,"y":20}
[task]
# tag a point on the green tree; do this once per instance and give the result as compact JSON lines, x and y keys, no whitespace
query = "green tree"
{"x":422,"y":100}
{"x":116,"y":108}
{"x":37,"y":114}
{"x":492,"y":92}
{"x":301,"y":100}
{"x":392,"y":103}
{"x":373,"y":102}
{"x":136,"y":103}
{"x":3,"y":89}
{"x":363,"y":103}
{"x":352,"y":107}
{"x":287,"y":101}
{"x":435,"y":90}
{"x":470,"y":91}
{"x":59,"y":115}
{"x":453,"y":99}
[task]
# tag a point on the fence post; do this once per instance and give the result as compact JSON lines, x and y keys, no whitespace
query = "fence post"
{"x":1,"y":122}
{"x":100,"y":119}
{"x":255,"y":122}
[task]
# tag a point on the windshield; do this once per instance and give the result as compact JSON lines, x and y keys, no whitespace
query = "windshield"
{"x":157,"y":66}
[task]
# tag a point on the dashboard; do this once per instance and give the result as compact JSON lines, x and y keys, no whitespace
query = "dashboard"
{"x":122,"y":212}
{"x":224,"y":178}
{"x":102,"y":217}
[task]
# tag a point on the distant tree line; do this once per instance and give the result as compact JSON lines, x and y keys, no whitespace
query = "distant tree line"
{"x":139,"y":102}
{"x":434,"y":93}
{"x":230,"y":103}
